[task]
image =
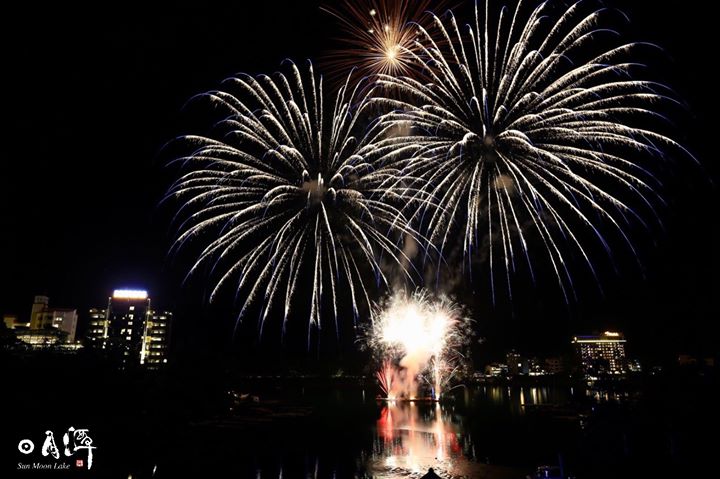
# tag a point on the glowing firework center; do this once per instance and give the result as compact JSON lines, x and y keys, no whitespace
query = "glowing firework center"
{"x":316,"y":190}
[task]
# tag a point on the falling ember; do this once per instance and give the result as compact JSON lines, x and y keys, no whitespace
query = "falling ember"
{"x":425,"y":338}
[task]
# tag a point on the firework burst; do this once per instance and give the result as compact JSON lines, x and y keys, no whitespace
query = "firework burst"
{"x":379,"y":35}
{"x":282,"y":197}
{"x":521,"y":132}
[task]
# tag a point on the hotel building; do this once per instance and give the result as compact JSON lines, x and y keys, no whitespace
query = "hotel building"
{"x":601,"y":355}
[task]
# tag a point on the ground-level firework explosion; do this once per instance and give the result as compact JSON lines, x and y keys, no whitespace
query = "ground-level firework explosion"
{"x":282,"y":198}
{"x":420,"y":343}
{"x":531,"y":135}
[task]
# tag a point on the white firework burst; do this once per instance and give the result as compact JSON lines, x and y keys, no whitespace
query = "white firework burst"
{"x":283,"y":196}
{"x":520,"y":129}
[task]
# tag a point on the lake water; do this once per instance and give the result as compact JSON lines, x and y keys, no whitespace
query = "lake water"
{"x":169,"y":426}
{"x":493,"y":432}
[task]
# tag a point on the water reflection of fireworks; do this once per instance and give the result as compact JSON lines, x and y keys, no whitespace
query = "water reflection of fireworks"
{"x":411,"y":441}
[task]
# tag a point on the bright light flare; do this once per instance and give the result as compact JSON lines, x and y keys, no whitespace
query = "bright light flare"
{"x":391,"y":53}
{"x":415,"y":327}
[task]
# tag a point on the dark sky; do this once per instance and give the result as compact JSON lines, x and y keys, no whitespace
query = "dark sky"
{"x":91,"y":96}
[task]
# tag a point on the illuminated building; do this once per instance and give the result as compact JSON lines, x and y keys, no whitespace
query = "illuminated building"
{"x":687,"y":360}
{"x":496,"y":370}
{"x":634,"y":366}
{"x":155,"y":339}
{"x":47,"y":328}
{"x":126,"y":314}
{"x":129,"y":331}
{"x":536,"y":368}
{"x":601,"y":355}
{"x":516,"y":363}
{"x":42,"y":317}
{"x":46,"y":339}
{"x":96,"y":327}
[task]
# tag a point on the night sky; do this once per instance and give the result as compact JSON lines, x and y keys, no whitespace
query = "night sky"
{"x":90,"y":103}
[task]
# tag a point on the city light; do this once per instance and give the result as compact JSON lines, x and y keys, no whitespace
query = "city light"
{"x":129,"y":294}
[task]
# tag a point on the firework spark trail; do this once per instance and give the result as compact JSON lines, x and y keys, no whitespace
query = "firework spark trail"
{"x":425,"y":337}
{"x":378,"y":35}
{"x":284,"y":194}
{"x":518,"y":131}
{"x":385,"y":377}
